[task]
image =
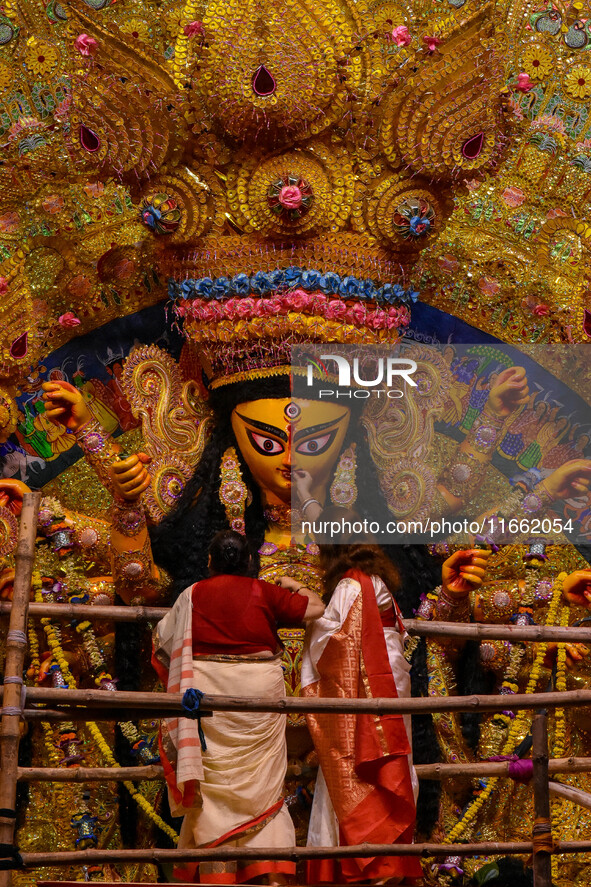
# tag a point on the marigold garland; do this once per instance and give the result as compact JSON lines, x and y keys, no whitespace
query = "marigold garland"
{"x":54,"y":641}
{"x":475,"y":806}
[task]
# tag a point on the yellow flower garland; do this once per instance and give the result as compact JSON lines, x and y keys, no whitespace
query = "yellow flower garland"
{"x":473,"y":808}
{"x":53,"y":639}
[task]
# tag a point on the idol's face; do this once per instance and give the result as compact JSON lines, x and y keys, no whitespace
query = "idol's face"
{"x":279,"y":436}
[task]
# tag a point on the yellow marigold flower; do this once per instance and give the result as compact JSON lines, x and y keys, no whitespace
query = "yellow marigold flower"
{"x":40,"y":57}
{"x":578,"y":82}
{"x":136,"y":28}
{"x":537,"y":61}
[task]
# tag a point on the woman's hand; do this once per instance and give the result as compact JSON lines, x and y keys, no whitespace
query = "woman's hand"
{"x":65,"y":405}
{"x":509,"y":392}
{"x":576,"y":588}
{"x":289,"y":583}
{"x":130,"y":476}
{"x":11,"y":495}
{"x":464,"y":571}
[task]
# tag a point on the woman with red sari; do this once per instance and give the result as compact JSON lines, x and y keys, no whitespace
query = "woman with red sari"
{"x":366,"y":787}
{"x":221,"y":638}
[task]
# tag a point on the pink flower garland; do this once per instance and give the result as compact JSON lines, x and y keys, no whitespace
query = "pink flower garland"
{"x":357,"y":313}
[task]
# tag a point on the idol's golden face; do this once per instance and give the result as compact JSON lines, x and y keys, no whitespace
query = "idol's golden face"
{"x":279,"y":436}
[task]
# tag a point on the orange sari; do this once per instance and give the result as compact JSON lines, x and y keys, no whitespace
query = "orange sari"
{"x":364,"y":758}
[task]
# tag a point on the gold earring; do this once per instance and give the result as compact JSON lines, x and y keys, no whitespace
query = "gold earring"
{"x":233,"y":491}
{"x":343,"y":490}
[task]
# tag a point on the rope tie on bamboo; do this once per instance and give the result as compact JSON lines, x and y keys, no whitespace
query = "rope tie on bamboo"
{"x":191,"y":702}
{"x":542,"y":836}
{"x":12,"y":858}
{"x":15,"y":679}
{"x":16,"y":637}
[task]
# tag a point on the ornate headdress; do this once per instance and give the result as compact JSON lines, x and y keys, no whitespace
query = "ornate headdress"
{"x":281,"y":166}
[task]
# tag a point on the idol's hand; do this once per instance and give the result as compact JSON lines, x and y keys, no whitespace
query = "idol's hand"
{"x":570,"y":480}
{"x":6,"y":584}
{"x":64,"y":405}
{"x":130,"y":476}
{"x":464,"y":571}
{"x":576,"y":588}
{"x":303,"y":484}
{"x":509,"y":392}
{"x":575,"y":653}
{"x":11,"y":495}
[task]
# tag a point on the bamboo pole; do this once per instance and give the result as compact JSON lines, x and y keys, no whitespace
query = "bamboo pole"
{"x":16,"y":645}
{"x":542,"y":862}
{"x":219,"y":854}
{"x":418,"y":627}
{"x":102,"y":705}
{"x":570,"y":793}
{"x":424,"y":771}
{"x":90,"y":774}
{"x":479,"y":632}
{"x":71,"y":612}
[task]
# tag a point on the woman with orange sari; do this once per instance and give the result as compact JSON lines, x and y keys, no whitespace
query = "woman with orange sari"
{"x":366,"y":788}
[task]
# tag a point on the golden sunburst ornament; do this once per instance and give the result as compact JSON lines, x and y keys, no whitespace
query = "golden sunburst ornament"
{"x":577,"y":82}
{"x":537,"y":62}
{"x":40,"y":57}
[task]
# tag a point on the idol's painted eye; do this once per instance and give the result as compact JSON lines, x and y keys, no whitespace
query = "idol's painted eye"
{"x":267,"y":446}
{"x":314,"y":446}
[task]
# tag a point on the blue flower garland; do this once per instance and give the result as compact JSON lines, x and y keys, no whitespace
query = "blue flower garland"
{"x":266,"y":284}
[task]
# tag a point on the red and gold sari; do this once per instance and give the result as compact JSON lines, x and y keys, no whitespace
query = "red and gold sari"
{"x":367,"y":785}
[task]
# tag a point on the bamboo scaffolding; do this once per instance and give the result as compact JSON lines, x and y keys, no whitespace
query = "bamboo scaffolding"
{"x":424,"y":771}
{"x":542,"y":861}
{"x":416,"y":627}
{"x":220,"y":854}
{"x":16,"y":645}
{"x":103,"y":705}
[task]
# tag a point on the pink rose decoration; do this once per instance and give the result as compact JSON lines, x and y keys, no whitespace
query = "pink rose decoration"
{"x":403,"y":316}
{"x":259,"y":308}
{"x":400,"y":36}
{"x":230,"y":309}
{"x":541,"y":310}
{"x":208,"y":313}
{"x":376,"y":320}
{"x":320,"y":303}
{"x":3,"y":286}
{"x":431,"y":43}
{"x":193,"y":28}
{"x":524,"y":84}
{"x":299,"y":300}
{"x":245,"y":307}
{"x":85,"y":44}
{"x":290,"y":197}
{"x":356,"y":314}
{"x":272,"y":306}
{"x":68,"y":320}
{"x":335,"y":310}
{"x":180,"y":310}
